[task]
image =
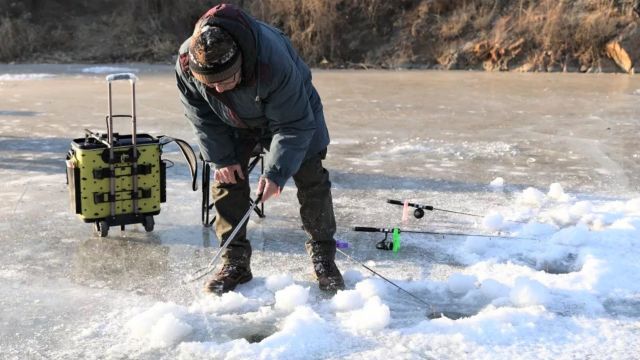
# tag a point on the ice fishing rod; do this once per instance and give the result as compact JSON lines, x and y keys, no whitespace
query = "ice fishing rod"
{"x":418,"y":213}
{"x":433,"y":314}
{"x":394,"y":245}
{"x":202,"y":272}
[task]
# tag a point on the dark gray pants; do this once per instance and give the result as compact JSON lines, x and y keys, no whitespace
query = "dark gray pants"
{"x":316,"y":209}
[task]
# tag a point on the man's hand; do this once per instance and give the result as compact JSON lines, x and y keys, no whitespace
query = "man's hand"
{"x":268,"y":188}
{"x":227,"y":174}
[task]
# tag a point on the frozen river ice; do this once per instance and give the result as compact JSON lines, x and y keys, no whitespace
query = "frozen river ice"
{"x":437,"y":138}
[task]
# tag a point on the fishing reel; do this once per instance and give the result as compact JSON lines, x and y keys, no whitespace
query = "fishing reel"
{"x":418,"y":213}
{"x":384,"y":244}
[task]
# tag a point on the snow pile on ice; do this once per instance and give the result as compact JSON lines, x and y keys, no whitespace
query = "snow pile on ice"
{"x":461,"y":283}
{"x":531,"y":197}
{"x":566,"y":281}
{"x":371,"y":287}
{"x":161,"y":325}
{"x":527,"y":292}
{"x":227,"y":303}
{"x":373,"y":316}
{"x":493,"y":289}
{"x":497,"y":182}
{"x":493,"y":221}
{"x":278,"y":282}
{"x":352,"y":276}
{"x":347,"y":300}
{"x":292,"y":296}
{"x":303,"y":334}
{"x":557,"y":193}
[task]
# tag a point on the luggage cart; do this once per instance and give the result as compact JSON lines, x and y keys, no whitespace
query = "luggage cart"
{"x":118,"y":180}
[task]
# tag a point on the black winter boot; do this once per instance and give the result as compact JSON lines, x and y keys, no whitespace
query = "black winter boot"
{"x":328,"y":275}
{"x":230,"y":276}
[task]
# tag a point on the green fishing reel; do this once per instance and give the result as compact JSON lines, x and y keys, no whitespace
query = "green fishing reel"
{"x":384,"y":244}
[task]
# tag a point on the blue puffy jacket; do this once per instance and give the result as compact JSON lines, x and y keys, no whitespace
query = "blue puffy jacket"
{"x":275,"y":97}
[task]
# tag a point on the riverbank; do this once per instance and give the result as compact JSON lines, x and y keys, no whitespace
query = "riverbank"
{"x":515,"y":35}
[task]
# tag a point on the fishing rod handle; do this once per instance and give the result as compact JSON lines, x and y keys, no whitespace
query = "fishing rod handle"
{"x":371,"y":229}
{"x":417,"y":206}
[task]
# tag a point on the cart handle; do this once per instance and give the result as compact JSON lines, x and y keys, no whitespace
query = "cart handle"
{"x":122,"y":76}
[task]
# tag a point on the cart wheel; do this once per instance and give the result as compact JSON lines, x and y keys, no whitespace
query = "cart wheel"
{"x":101,"y":228}
{"x":148,"y":223}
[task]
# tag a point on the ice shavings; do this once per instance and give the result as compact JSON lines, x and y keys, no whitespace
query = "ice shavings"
{"x":493,"y":289}
{"x":633,"y":206}
{"x":278,"y":282}
{"x":531,"y":197}
{"x":493,"y":221}
{"x":347,"y":300}
{"x":556,"y":192}
{"x":292,"y":296}
{"x":373,"y":316}
{"x":352,"y":276}
{"x":527,"y":292}
{"x":161,"y":325}
{"x":570,"y":266}
{"x":227,"y":303}
{"x":460,"y":283}
{"x":303,"y":334}
{"x":371,"y":287}
{"x":497,"y":183}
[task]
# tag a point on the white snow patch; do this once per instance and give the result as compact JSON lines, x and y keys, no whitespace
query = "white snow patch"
{"x":227,"y":303}
{"x":493,"y":289}
{"x":161,"y":325}
{"x":303,"y":334}
{"x":278,"y":282}
{"x":373,"y":316}
{"x":347,"y":300}
{"x":633,"y":205}
{"x":557,"y":193}
{"x":493,"y":221}
{"x":352,"y":276}
{"x":24,"y":77}
{"x":531,"y":197}
{"x":528,"y":292}
{"x":574,"y":236}
{"x":292,"y":296}
{"x":369,"y":288}
{"x":460,"y":283}
{"x":476,"y":244}
{"x":497,"y":182}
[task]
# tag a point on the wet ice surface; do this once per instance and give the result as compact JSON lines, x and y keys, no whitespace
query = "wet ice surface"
{"x":563,"y":145}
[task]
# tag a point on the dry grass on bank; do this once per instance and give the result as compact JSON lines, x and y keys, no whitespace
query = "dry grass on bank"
{"x":543,"y":35}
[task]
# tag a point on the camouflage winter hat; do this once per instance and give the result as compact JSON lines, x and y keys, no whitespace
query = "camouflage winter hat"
{"x":213,"y":54}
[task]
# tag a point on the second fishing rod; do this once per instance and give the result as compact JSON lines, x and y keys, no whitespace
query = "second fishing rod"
{"x":418,"y":213}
